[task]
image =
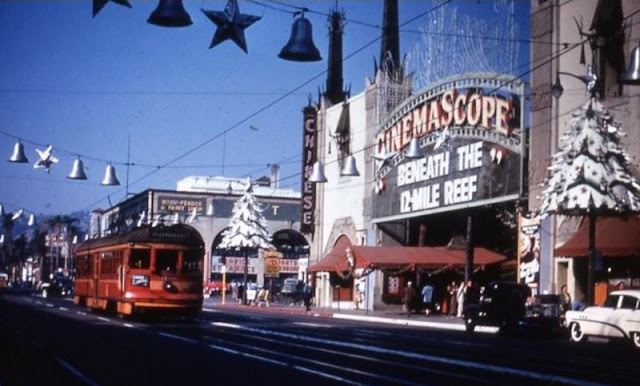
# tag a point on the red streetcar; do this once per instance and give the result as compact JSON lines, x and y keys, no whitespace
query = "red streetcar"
{"x":146,"y":269}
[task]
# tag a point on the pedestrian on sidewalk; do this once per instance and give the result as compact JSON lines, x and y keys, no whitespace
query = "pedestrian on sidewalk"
{"x":427,"y":298}
{"x":460,"y":295}
{"x":452,"y":290}
{"x":407,"y":299}
{"x":307,"y":295}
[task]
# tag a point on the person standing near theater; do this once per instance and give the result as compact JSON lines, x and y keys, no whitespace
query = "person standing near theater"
{"x":307,"y":295}
{"x":427,"y":298}
{"x":565,"y":299}
{"x":407,"y":298}
{"x":460,"y":295}
{"x":452,"y":291}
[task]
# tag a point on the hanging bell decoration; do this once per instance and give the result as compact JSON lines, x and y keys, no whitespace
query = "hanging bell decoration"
{"x":170,"y":13}
{"x":18,"y":155}
{"x":350,"y":169}
{"x":632,"y":76}
{"x":300,"y":47}
{"x":414,"y":151}
{"x":110,"y":178}
{"x":77,"y":171}
{"x":317,"y":173}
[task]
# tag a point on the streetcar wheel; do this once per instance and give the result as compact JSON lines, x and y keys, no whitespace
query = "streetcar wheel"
{"x":577,"y":335}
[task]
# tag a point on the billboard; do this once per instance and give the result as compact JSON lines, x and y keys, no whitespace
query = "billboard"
{"x":470,"y":133}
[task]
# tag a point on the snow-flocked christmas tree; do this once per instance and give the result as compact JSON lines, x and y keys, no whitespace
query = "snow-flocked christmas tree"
{"x":591,"y":175}
{"x":248,"y":227}
{"x":247,"y":230}
{"x":591,"y":172}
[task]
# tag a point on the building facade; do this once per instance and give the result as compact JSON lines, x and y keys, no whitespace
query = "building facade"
{"x":410,"y":217}
{"x":206,"y":204}
{"x":567,"y":37}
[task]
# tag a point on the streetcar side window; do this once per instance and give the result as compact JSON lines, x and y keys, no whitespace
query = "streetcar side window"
{"x":140,"y":258}
{"x":191,"y":260}
{"x":166,"y":260}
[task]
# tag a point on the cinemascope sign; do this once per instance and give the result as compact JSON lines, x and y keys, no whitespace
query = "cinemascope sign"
{"x":470,"y":133}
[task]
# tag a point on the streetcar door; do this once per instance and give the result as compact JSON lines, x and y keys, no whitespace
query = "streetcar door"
{"x":96,"y":278}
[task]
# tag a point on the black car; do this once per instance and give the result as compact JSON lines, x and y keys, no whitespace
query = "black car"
{"x":57,"y":287}
{"x":501,"y":304}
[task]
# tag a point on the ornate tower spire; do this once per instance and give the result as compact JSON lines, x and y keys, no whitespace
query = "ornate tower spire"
{"x":390,"y":46}
{"x":335,"y":92}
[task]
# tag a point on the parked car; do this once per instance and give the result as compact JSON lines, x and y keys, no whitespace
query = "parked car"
{"x":289,"y":286}
{"x":214,"y":287}
{"x":500,"y":303}
{"x":59,"y":286}
{"x":618,"y":317}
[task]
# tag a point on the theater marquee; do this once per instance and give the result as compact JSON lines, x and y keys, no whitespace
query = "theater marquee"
{"x":470,"y":130}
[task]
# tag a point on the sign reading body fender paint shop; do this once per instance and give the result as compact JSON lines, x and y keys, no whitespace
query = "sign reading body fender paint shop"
{"x":472,"y":142}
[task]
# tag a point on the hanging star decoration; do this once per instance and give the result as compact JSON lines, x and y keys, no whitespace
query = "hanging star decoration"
{"x":99,"y":4}
{"x":46,"y":159}
{"x":231,"y":24}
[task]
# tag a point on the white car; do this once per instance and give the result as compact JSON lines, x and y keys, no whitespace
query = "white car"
{"x":618,"y":317}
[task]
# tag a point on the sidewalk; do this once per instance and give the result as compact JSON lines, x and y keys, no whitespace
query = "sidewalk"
{"x":395,"y":317}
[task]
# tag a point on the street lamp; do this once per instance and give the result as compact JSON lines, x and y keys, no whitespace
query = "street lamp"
{"x":557,"y":90}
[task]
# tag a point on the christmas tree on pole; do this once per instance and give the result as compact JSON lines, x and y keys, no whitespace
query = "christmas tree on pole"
{"x":591,"y":175}
{"x":247,"y":230}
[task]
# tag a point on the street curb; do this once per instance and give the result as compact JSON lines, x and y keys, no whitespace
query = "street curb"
{"x":453,"y":326}
{"x":402,"y":322}
{"x":415,"y":323}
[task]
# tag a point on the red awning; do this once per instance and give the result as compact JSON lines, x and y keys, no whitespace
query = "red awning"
{"x":614,"y":237}
{"x":376,"y":257}
{"x":336,"y":260}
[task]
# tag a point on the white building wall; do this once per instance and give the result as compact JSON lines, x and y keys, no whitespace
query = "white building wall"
{"x":343,"y":196}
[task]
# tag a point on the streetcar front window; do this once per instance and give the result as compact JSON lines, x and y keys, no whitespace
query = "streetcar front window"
{"x":166,"y":260}
{"x":140,"y":259}
{"x":192,"y":260}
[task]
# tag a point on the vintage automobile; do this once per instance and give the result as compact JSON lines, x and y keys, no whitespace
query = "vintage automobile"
{"x":59,"y":286}
{"x":618,"y":317}
{"x":501,"y":304}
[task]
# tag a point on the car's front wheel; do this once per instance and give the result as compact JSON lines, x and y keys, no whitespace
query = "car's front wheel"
{"x":635,"y":338}
{"x":577,"y":335}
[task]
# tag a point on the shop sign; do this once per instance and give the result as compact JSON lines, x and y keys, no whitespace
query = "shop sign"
{"x":289,"y":265}
{"x":273,"y":211}
{"x":181,"y":204}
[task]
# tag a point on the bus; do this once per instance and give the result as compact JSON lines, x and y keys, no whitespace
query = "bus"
{"x":145,"y":270}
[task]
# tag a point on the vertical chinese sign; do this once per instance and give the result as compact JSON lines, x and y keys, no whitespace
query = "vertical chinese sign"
{"x":309,"y":155}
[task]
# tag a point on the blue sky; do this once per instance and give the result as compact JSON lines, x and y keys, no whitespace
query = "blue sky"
{"x":88,"y":85}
